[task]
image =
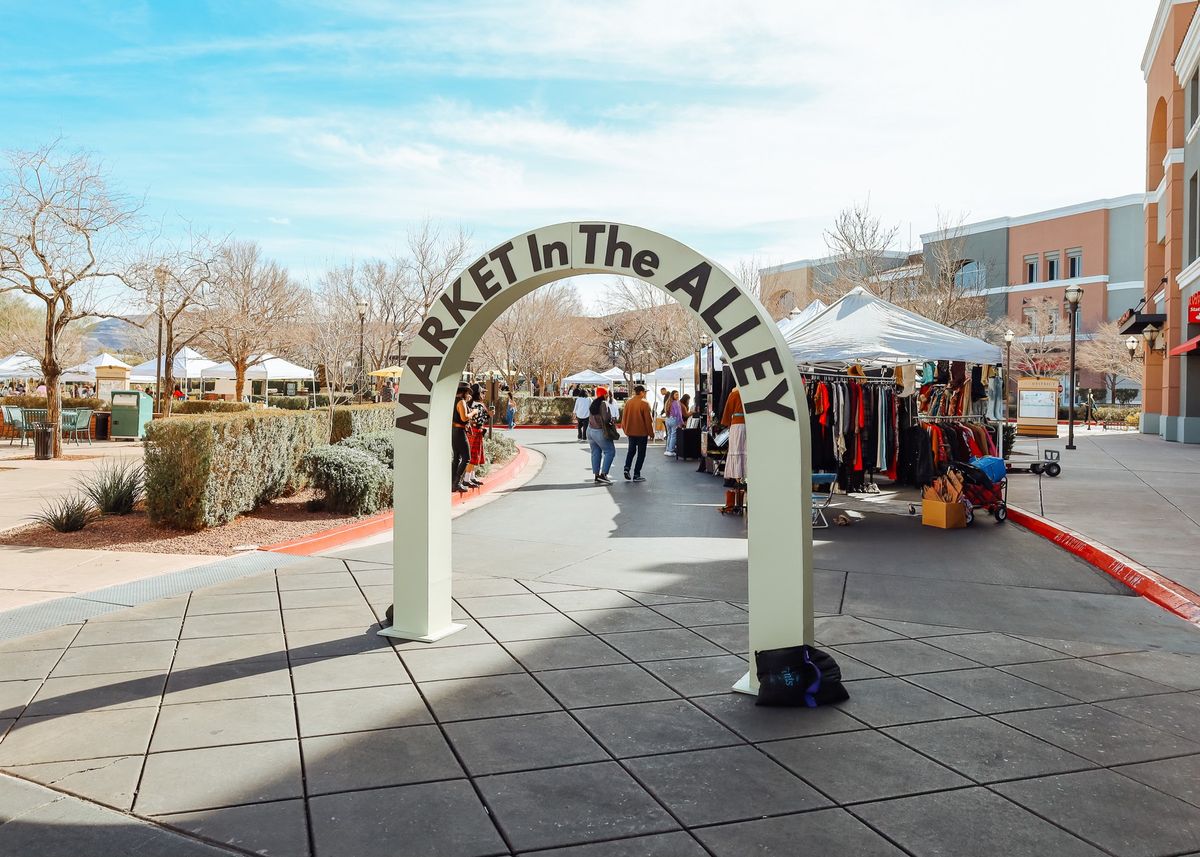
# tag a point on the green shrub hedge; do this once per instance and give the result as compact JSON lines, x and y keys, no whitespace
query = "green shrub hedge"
{"x":322,"y":401}
{"x":362,"y":419}
{"x":204,"y":470}
{"x":203,"y":406}
{"x":376,"y":443}
{"x":540,"y":410}
{"x":354,"y":481}
{"x":289,"y":403}
{"x":67,"y":402}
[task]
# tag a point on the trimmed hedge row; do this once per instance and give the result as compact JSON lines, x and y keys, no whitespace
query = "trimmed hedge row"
{"x":204,"y":470}
{"x":540,"y":410}
{"x":289,"y":403}
{"x":376,"y":443}
{"x":43,"y":402}
{"x":203,"y":406}
{"x":354,"y":481}
{"x":362,"y":419}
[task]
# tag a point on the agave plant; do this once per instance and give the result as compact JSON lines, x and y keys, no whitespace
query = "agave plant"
{"x":115,"y":487}
{"x":67,"y":514}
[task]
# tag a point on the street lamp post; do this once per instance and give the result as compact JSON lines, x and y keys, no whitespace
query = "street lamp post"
{"x":160,"y":279}
{"x":1009,"y":336}
{"x":362,"y":358}
{"x":1073,"y":294}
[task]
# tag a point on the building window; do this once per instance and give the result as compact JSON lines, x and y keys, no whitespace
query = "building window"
{"x":1074,"y":263}
{"x":1193,"y":216}
{"x":1051,"y":267}
{"x":1031,"y":321}
{"x":970,"y":276}
{"x":1194,"y":98}
{"x":1031,"y":269}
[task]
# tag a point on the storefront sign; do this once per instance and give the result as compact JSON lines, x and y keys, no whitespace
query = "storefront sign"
{"x":1193,"y":308}
{"x":780,"y":558}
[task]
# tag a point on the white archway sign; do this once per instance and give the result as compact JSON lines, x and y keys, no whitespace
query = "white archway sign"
{"x":780,"y":523}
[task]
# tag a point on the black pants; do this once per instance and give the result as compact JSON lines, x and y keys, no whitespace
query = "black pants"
{"x":581,"y":428}
{"x":637,"y":445}
{"x":462,"y":455}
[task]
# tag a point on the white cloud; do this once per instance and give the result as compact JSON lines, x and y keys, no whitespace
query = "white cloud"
{"x":744,"y":131}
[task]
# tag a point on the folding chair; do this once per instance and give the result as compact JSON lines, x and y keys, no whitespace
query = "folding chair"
{"x":821,"y":499}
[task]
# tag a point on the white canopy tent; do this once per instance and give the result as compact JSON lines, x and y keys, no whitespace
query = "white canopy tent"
{"x":85,"y":372}
{"x":615,"y":374}
{"x":188,"y":364}
{"x":269,"y":368}
{"x":587,"y":376}
{"x":863,"y":328}
{"x":800,"y":317}
{"x":19,"y":365}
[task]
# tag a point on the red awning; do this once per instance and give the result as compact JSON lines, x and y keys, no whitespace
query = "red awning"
{"x":1191,"y":345}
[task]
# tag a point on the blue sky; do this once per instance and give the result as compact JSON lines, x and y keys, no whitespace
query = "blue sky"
{"x":324,"y":130}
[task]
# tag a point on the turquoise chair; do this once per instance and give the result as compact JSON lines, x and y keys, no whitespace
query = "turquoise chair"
{"x":81,"y":425}
{"x":14,"y":418}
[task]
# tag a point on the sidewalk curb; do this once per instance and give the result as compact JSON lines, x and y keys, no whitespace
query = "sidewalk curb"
{"x":382,"y":523}
{"x":1149,"y":584}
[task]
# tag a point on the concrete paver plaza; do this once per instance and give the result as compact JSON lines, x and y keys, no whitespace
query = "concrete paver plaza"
{"x":1005,"y":700}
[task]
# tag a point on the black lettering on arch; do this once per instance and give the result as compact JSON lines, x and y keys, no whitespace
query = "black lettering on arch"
{"x":416,"y":406}
{"x":422,"y":368}
{"x":692,"y":283}
{"x":452,"y":300}
{"x":436,"y":335}
{"x":773,"y":403}
{"x":727,"y":339}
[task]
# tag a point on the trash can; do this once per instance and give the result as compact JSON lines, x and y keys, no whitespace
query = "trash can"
{"x":43,"y":441}
{"x":102,"y":418}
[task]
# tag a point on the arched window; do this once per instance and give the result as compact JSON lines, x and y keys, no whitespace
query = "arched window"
{"x":970,"y":276}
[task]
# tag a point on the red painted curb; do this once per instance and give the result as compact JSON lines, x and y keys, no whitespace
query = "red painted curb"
{"x":1147,"y":583}
{"x":381,"y":523}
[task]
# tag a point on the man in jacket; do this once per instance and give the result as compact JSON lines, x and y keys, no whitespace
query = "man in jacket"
{"x":638,"y":424}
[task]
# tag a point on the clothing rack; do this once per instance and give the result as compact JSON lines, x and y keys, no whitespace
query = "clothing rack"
{"x":962,"y":418}
{"x":838,"y":376}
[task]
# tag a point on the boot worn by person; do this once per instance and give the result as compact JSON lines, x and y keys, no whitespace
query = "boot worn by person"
{"x":730,"y":500}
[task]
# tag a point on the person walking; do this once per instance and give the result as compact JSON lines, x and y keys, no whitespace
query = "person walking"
{"x":638,"y":425}
{"x":478,"y":426}
{"x":582,"y":412}
{"x":674,"y":420}
{"x":600,"y":434}
{"x":458,"y":437}
{"x":510,"y":414}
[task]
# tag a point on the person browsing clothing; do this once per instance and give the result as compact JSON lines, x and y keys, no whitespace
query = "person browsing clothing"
{"x":674,"y":421}
{"x":600,"y":434}
{"x":638,"y":424}
{"x":582,"y":411}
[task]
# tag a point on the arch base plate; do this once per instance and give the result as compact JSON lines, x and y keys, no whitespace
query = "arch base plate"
{"x":421,"y":638}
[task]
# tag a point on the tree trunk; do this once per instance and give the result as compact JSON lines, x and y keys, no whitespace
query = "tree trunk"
{"x":168,"y":372}
{"x":51,"y":373}
{"x":239,"y":383}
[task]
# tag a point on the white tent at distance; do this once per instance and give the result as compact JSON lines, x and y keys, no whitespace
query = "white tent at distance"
{"x":270,"y":368}
{"x":22,"y":364}
{"x":587,"y":376}
{"x":800,"y":317}
{"x":86,"y":371}
{"x":863,"y":328}
{"x":188,"y":363}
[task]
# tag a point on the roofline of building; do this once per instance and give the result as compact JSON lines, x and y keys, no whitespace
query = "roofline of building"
{"x":1156,"y":33}
{"x":825,"y":260}
{"x":1189,"y":51}
{"x":996,"y":223}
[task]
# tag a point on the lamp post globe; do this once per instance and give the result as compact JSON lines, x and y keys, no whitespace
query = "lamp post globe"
{"x":1073,"y":295}
{"x":1132,"y":343}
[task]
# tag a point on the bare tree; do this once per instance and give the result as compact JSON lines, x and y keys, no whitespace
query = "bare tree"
{"x":175,"y":281}
{"x":1107,"y":355}
{"x":19,"y":324}
{"x":862,"y":248}
{"x":253,"y":309}
{"x":61,"y":233}
{"x":432,"y":261}
{"x":542,"y":337}
{"x":1040,"y":336}
{"x":328,"y":345}
{"x":383,"y":291}
{"x":644,"y":328}
{"x":945,"y":285}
